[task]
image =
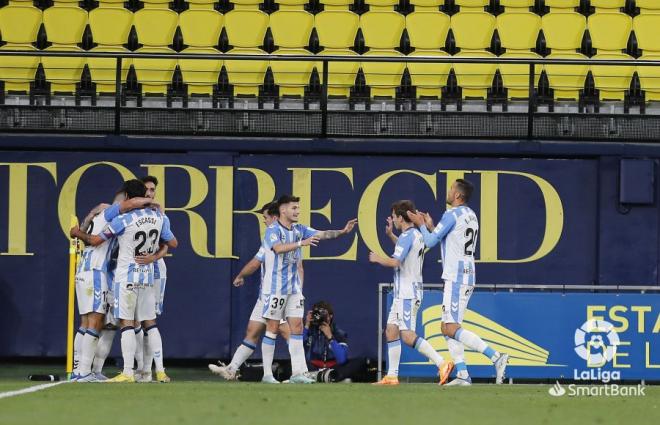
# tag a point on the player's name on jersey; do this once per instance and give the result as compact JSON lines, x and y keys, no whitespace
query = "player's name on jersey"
{"x":145,"y":220}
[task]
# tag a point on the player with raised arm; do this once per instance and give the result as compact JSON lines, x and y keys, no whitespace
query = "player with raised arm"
{"x":457,"y":234}
{"x":257,"y":324}
{"x":138,"y":233}
{"x":407,"y":262}
{"x":282,"y":285}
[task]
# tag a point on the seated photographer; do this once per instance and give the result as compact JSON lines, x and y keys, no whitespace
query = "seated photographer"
{"x":326,"y":347}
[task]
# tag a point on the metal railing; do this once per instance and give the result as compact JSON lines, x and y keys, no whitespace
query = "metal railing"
{"x":531,"y":63}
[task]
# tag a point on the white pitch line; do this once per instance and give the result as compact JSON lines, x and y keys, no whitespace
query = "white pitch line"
{"x":28,"y":390}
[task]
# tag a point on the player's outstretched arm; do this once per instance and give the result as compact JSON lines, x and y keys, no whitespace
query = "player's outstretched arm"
{"x":93,"y":240}
{"x":283,"y":248}
{"x":387,"y":262}
{"x":252,"y":266}
{"x":333,"y":234}
{"x":134,"y":203}
{"x":389,"y":231}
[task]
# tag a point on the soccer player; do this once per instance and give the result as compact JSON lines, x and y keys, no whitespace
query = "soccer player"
{"x":457,"y":232}
{"x":138,"y":233}
{"x":407,"y":262}
{"x":257,"y":324}
{"x":281,"y":287}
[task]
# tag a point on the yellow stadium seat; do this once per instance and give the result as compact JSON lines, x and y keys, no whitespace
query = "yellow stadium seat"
{"x":336,"y":31}
{"x":562,"y":5}
{"x":381,"y":5}
{"x":156,"y":4}
{"x":647,"y":31}
{"x":473,"y":32}
{"x":110,"y":30}
{"x":246,"y":30}
{"x":518,"y":32}
{"x":608,"y":6}
{"x":65,"y":3}
{"x":648,"y":6}
{"x":563,"y":34}
{"x":472,"y":5}
{"x":64,"y":27}
{"x":19,"y":27}
{"x":427,"y":5}
{"x":246,"y":4}
{"x":428,"y":32}
{"x":517,"y":5}
{"x":649,"y":77}
{"x":155,"y":30}
{"x":292,"y":4}
{"x":329,"y":5}
{"x":612,"y":81}
{"x":382,"y":34}
{"x":291,"y":30}
{"x":201,"y":31}
{"x":201,"y":4}
{"x":609,"y":31}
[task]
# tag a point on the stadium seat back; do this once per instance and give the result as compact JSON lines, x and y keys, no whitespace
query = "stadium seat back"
{"x":291,"y":29}
{"x":562,"y":5}
{"x":563,"y":31}
{"x":647,"y":31}
{"x":201,"y":76}
{"x":473,"y":30}
{"x":336,"y":29}
{"x":382,"y":30}
{"x":20,"y":25}
{"x":110,"y":26}
{"x":427,"y":4}
{"x":427,"y":30}
{"x":648,"y":6}
{"x":518,"y":31}
{"x":514,"y":4}
{"x":155,"y":27}
{"x":200,"y":28}
{"x":246,"y":28}
{"x":609,"y":31}
{"x":65,"y":25}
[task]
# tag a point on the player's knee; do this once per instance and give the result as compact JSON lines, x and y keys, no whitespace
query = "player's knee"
{"x":449,"y":329}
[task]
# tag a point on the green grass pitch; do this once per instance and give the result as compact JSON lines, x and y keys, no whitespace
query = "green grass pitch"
{"x":196,"y":397}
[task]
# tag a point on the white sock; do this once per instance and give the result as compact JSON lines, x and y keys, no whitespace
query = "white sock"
{"x":473,"y":341}
{"x":77,"y":348}
{"x":148,"y":359}
{"x":128,"y":349}
{"x":393,"y":357}
{"x":457,"y":352}
{"x":139,"y":348}
{"x":89,"y":342}
{"x":103,"y":349}
{"x":297,"y":353}
{"x":268,"y":352}
{"x":156,"y":347}
{"x":425,"y":348}
{"x":243,"y":352}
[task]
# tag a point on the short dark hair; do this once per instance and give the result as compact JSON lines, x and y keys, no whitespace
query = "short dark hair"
{"x":402,"y":207}
{"x":271,"y":208}
{"x":286,"y":199}
{"x":466,"y":188}
{"x":134,"y":188}
{"x":325,"y":305}
{"x":149,"y":179}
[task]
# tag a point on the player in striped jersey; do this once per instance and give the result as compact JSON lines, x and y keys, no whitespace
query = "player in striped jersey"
{"x":407,"y":262}
{"x":457,"y":234}
{"x":138,"y":232}
{"x":257,"y":324}
{"x":92,"y":284}
{"x":282,"y":286}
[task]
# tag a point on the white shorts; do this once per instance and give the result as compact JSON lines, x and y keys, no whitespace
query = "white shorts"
{"x":278,"y":307}
{"x":454,"y":301}
{"x":91,"y":290}
{"x":159,"y":294}
{"x":258,"y":311}
{"x":134,"y":302}
{"x":403,"y":313}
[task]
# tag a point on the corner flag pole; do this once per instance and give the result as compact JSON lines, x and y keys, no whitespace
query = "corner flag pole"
{"x":73,"y":258}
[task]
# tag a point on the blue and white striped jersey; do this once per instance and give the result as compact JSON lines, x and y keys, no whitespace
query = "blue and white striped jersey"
{"x":160,"y":269}
{"x":409,"y":250}
{"x":280,"y":273}
{"x":138,"y":232}
{"x":97,"y":257}
{"x":457,"y":232}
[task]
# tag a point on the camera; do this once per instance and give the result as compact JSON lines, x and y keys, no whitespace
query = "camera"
{"x":319,"y":316}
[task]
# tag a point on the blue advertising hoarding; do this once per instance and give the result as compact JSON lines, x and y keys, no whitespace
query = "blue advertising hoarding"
{"x":550,"y":335}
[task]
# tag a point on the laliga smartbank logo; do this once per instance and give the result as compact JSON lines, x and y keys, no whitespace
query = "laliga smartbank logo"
{"x":596,"y":342}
